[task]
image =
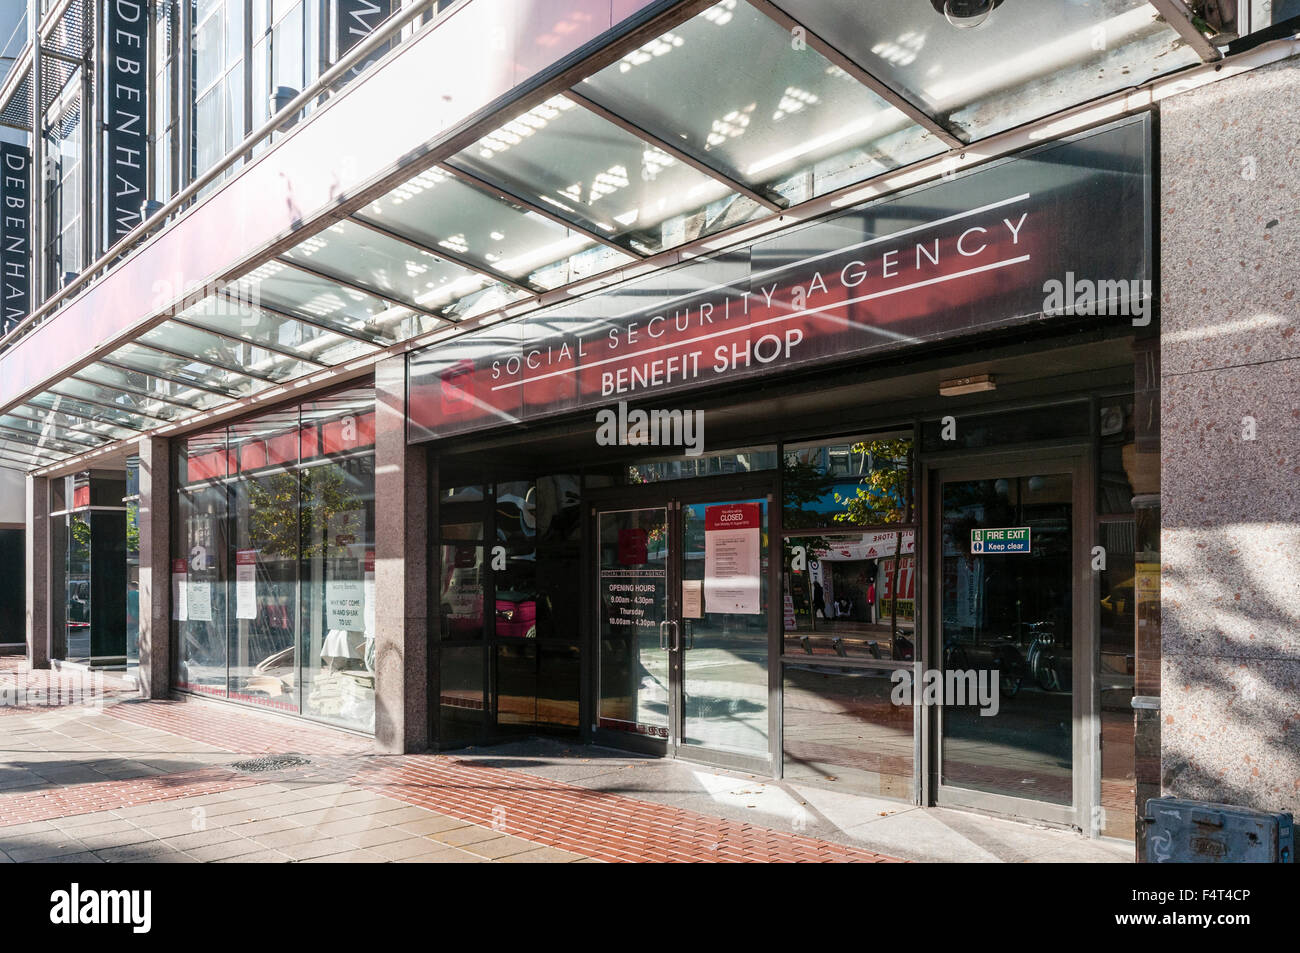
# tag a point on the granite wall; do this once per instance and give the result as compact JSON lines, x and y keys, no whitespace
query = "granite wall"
{"x":1230,"y":440}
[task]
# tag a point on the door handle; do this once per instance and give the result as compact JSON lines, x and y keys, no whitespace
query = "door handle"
{"x":663,"y":639}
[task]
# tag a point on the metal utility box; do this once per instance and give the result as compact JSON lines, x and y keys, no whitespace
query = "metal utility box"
{"x":1179,"y":831}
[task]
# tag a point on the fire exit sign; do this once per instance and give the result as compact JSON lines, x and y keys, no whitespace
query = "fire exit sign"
{"x":999,"y":541}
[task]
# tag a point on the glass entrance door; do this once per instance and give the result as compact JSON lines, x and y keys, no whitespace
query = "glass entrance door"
{"x":634,"y":624}
{"x":1006,"y":567}
{"x":724,"y":620}
{"x":683,"y":629}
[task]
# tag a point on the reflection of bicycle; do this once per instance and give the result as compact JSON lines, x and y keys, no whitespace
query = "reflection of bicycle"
{"x":1002,"y":656}
{"x":1011,"y":668}
{"x":1044,"y":663}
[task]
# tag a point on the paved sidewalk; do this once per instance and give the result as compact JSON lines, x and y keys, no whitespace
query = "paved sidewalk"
{"x":118,"y":779}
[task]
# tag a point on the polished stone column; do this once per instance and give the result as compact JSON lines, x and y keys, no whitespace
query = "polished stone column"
{"x":155,"y":568}
{"x":1230,"y":442}
{"x":401,"y":571}
{"x":39,"y":634}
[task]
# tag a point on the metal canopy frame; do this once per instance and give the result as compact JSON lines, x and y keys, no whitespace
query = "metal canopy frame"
{"x":776,"y":208}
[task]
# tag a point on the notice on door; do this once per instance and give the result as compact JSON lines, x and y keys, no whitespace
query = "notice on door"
{"x":985,"y":542}
{"x":246,"y":584}
{"x":180,"y":593}
{"x":633,"y":601}
{"x":199,"y":597}
{"x":731,"y":558}
{"x":692,"y":598}
{"x":345,"y":604}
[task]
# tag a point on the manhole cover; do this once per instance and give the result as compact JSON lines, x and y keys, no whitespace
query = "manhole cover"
{"x":270,"y":762}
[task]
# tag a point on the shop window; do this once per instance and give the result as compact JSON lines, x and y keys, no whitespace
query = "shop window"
{"x":559,"y":685}
{"x":461,"y":693}
{"x":338,"y":561}
{"x":859,"y":481}
{"x":461,"y":593}
{"x":199,"y":563}
{"x":842,"y":725}
{"x":851,"y":596}
{"x":515,"y":527}
{"x":516,"y":684}
{"x":536,"y":595}
{"x":264,"y":511}
{"x":77,"y":642}
{"x":509,"y":558}
{"x":132,"y":503}
{"x":273,"y":560}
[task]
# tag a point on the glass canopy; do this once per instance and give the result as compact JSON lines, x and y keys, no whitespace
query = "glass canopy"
{"x":1027,"y":61}
{"x":771,"y":114}
{"x":735,"y":114}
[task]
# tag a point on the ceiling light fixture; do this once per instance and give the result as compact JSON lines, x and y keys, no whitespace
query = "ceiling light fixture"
{"x":974,"y":384}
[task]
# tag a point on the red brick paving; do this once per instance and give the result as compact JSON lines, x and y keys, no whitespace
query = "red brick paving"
{"x":224,"y":726}
{"x":23,"y":807}
{"x":546,"y":812}
{"x":594,"y":823}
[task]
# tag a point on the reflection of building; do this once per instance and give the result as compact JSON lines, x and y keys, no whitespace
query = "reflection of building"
{"x":386,"y":404}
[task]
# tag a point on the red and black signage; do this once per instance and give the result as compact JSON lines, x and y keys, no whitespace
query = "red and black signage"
{"x":969,"y":255}
{"x":733,"y":516}
{"x":126,"y":38}
{"x":15,"y":234}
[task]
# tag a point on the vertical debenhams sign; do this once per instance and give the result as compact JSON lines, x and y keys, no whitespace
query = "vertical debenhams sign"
{"x":355,"y":20}
{"x":15,"y":235}
{"x":126,"y":29}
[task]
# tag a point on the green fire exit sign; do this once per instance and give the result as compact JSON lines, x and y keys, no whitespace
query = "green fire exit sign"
{"x":999,"y":541}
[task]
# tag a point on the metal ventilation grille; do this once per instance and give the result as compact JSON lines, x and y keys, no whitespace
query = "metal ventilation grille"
{"x":17,"y":113}
{"x":68,"y":120}
{"x":55,"y":76}
{"x":74,"y":34}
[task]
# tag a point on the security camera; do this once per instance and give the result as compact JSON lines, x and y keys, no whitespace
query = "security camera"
{"x":965,"y":14}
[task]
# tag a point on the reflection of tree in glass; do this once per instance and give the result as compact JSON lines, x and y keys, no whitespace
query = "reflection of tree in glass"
{"x":325,"y":493}
{"x":880,"y":469}
{"x":882,"y":491}
{"x":81,"y":531}
{"x":274,"y":513}
{"x":133,"y":528}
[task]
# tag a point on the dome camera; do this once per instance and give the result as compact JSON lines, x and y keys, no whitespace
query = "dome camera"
{"x":965,"y":14}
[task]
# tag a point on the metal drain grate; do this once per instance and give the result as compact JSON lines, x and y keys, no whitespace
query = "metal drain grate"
{"x":270,"y":762}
